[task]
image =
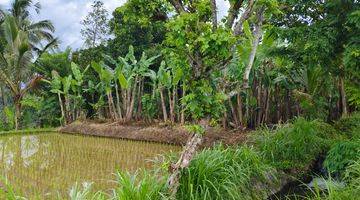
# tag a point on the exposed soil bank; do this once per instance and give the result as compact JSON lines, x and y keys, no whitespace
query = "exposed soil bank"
{"x":176,"y":135}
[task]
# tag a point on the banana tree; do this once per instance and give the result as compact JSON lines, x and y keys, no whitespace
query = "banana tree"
{"x":131,"y":73}
{"x":164,"y":81}
{"x":106,"y":78}
{"x":76,"y":87}
{"x":176,"y":75}
{"x":56,"y":86}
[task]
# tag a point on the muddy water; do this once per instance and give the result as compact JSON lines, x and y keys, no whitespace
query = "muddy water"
{"x":48,"y":165}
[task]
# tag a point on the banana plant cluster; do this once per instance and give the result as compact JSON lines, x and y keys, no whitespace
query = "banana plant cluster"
{"x":70,"y":93}
{"x":126,"y":80}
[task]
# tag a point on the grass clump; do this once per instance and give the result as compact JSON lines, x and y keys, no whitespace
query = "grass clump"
{"x":224,"y":173}
{"x":341,"y":155}
{"x":292,"y":146}
{"x":137,"y":186}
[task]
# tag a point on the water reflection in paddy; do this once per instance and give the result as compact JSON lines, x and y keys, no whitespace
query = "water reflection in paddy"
{"x":52,"y":163}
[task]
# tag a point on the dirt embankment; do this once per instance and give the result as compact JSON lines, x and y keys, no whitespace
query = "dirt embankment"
{"x":176,"y":135}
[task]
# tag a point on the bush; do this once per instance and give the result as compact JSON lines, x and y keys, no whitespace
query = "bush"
{"x":341,"y":155}
{"x":349,"y":126}
{"x":292,"y":146}
{"x":223,"y":173}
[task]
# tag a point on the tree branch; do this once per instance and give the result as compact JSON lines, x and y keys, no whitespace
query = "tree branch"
{"x":244,"y":16}
{"x":257,"y":36}
{"x":233,"y":13}
{"x":177,"y":5}
{"x":214,"y":14}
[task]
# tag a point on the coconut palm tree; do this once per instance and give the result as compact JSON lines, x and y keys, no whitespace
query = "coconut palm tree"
{"x":14,"y":63}
{"x":22,"y":37}
{"x":37,"y":31}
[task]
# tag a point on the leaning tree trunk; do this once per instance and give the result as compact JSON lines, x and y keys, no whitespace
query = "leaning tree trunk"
{"x":62,"y":110}
{"x":257,"y":35}
{"x":186,"y":156}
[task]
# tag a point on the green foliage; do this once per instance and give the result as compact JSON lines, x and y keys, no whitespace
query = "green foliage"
{"x":353,"y":92}
{"x":204,"y":101}
{"x":59,"y":62}
{"x":7,"y":191}
{"x":341,"y":155}
{"x":292,"y":146}
{"x":349,"y":125}
{"x":223,"y":173}
{"x":130,"y":187}
{"x":149,"y":104}
{"x":140,"y":23}
{"x":197,"y":129}
{"x":7,"y":118}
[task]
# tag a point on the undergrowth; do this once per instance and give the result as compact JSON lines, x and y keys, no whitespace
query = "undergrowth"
{"x":292,"y":146}
{"x":224,"y":173}
{"x":349,"y":126}
{"x":341,"y":155}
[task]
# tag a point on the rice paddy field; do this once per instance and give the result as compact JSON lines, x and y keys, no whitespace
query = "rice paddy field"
{"x":47,"y":165}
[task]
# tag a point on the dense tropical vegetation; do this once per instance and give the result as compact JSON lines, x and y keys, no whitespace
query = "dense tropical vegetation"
{"x":288,"y":68}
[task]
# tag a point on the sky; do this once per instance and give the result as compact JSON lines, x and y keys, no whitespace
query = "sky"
{"x":66,"y":16}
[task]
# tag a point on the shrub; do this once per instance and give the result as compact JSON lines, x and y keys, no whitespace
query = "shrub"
{"x":349,"y":126}
{"x":341,"y":155}
{"x":223,"y":173}
{"x":292,"y":146}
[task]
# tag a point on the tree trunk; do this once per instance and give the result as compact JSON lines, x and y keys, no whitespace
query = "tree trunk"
{"x":63,"y":121}
{"x":235,"y":118}
{"x":17,"y":113}
{"x":259,"y":102}
{"x":67,"y":110}
{"x":240,"y":109}
{"x":3,"y":97}
{"x":267,"y":106}
{"x":183,"y":107}
{"x":183,"y":162}
{"x":132,"y":102}
{"x":342,"y":96}
{"x":163,"y":105}
{"x":140,"y":94}
{"x":118,"y":107}
{"x":171,"y":105}
{"x":257,"y":35}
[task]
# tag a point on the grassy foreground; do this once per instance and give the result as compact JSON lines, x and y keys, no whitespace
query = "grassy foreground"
{"x":253,"y":170}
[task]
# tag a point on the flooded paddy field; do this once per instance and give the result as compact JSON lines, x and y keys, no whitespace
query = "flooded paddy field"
{"x":47,"y":165}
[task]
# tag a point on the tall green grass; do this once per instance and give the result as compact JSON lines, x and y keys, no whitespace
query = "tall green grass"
{"x":137,"y":186}
{"x":224,"y":173}
{"x":292,"y":146}
{"x":341,"y":155}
